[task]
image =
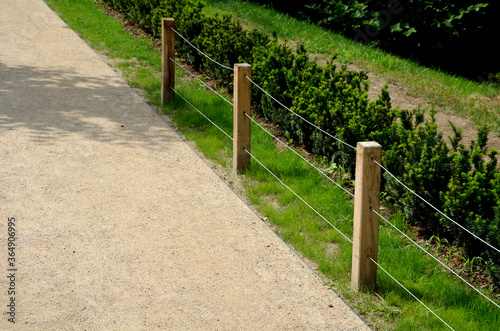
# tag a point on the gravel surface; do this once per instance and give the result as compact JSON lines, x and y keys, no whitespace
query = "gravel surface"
{"x":118,"y":223}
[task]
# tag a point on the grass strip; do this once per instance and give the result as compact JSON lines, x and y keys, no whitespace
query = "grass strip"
{"x":390,"y":307}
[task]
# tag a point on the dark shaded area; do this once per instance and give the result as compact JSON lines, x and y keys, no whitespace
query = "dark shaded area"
{"x":448,"y":35}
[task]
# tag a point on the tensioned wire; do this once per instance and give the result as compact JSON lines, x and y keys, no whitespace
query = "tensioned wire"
{"x":440,"y":212}
{"x":208,"y":57}
{"x":298,"y":196}
{"x":201,"y":113}
{"x":423,"y":304}
{"x":303,"y":158}
{"x":229,"y":68}
{"x":317,"y":127}
{"x":337,"y":139}
{"x":435,"y":258}
{"x":208,"y":86}
{"x":308,"y":122}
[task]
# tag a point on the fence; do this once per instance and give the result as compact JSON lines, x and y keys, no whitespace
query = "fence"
{"x":365,"y":238}
{"x":368,"y":169}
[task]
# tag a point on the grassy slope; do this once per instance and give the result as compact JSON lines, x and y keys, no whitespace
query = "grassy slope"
{"x":310,"y":235}
{"x":479,"y":102}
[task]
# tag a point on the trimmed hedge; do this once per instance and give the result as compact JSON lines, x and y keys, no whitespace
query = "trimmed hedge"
{"x":462,"y":182}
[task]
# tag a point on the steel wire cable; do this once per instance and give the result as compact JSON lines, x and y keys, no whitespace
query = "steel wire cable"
{"x":208,"y":57}
{"x":208,"y":86}
{"x":435,"y":258}
{"x":440,"y":212}
{"x":298,"y":196}
{"x":423,"y":304}
{"x":308,"y":122}
{"x":303,"y":158}
{"x":201,"y":113}
{"x":339,"y":140}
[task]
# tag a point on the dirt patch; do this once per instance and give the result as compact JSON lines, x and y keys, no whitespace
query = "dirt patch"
{"x":400,"y":98}
{"x":451,"y":256}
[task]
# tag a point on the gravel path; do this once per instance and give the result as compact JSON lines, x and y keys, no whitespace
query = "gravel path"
{"x":118,"y":223}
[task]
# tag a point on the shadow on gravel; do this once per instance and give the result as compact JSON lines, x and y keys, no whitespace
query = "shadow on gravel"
{"x":52,"y":104}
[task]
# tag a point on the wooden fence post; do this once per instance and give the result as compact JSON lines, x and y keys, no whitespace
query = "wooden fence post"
{"x":366,"y":198}
{"x":167,"y":66}
{"x":241,"y":124}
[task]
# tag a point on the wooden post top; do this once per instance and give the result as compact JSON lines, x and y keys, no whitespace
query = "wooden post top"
{"x":369,"y":144}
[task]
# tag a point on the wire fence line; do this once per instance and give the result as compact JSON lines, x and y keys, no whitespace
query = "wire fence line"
{"x":312,"y":208}
{"x":435,"y":258}
{"x":267,"y":169}
{"x":298,"y":196}
{"x":281,"y":104}
{"x":318,"y":213}
{"x":347,"y":238}
{"x":197,"y":78}
{"x":208,"y":119}
{"x":339,"y":140}
{"x":208,"y":57}
{"x":298,"y":154}
{"x":301,"y":117}
{"x":440,"y":212}
{"x":209,"y":87}
{"x":405,"y":186}
{"x":413,"y":295}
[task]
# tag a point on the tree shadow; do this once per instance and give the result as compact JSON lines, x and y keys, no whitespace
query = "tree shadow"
{"x":51,"y":103}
